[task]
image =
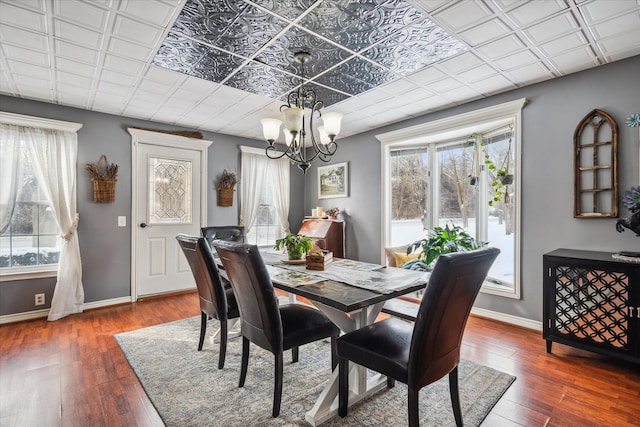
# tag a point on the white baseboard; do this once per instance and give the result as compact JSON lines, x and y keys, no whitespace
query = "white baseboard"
{"x":508,"y":318}
{"x":106,"y":303}
{"x":38,"y":314}
{"x":28,"y":315}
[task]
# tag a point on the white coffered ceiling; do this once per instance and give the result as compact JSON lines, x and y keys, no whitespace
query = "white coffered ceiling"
{"x":99,"y":55}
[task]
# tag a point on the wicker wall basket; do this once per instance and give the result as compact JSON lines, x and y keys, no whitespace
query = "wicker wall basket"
{"x":104,"y":191}
{"x":225,"y":197}
{"x":103,"y":176}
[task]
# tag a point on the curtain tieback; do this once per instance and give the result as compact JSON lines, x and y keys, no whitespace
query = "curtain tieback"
{"x":72,"y":229}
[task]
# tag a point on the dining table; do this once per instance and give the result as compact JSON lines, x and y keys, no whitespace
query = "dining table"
{"x":350,"y":293}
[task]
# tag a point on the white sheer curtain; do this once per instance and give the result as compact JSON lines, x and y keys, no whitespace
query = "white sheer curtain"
{"x":9,"y":166}
{"x":256,"y":171}
{"x":53,"y":154}
{"x":281,"y":190}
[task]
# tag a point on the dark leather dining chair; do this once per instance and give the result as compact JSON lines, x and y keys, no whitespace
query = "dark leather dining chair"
{"x":215,"y":301}
{"x":230,"y":233}
{"x":263,"y":322}
{"x":420,"y":354}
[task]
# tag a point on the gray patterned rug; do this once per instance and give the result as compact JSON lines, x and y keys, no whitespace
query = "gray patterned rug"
{"x":187,"y":389}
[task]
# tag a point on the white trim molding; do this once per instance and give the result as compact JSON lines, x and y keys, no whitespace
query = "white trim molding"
{"x":140,"y":136}
{"x":449,"y":128}
{"x":38,"y":314}
{"x":38,"y":122}
{"x":507,"y":318}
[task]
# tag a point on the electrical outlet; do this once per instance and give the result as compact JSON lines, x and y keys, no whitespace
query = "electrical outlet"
{"x":39,"y":299}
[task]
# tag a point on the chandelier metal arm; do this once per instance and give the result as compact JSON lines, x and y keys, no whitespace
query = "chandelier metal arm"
{"x":298,"y":101}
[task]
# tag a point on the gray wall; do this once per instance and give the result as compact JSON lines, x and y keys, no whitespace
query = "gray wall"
{"x":549,"y":120}
{"x":106,"y":248}
{"x":554,"y":110}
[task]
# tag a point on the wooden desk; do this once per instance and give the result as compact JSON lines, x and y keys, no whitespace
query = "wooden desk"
{"x":350,"y":308}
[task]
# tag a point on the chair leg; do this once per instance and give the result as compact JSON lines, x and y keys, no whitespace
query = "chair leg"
{"x":414,"y":415}
{"x":391,"y":382}
{"x":203,"y":329}
{"x":343,"y":386}
{"x":455,"y":396}
{"x":334,"y":353}
{"x":294,"y":354}
{"x":277,"y":390}
{"x":223,"y":343}
{"x":245,"y":361}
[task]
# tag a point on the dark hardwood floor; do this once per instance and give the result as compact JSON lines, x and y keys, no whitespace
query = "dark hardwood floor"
{"x":72,"y":373}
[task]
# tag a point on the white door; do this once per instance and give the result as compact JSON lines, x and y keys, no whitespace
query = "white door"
{"x":169,"y":198}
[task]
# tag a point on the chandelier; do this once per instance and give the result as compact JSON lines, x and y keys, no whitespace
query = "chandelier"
{"x":295,"y":130}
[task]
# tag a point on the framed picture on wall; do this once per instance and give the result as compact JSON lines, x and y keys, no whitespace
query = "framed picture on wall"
{"x":333,"y":181}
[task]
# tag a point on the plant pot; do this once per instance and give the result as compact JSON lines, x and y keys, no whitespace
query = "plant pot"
{"x":332,"y":217}
{"x":507,"y":179}
{"x":294,"y":256}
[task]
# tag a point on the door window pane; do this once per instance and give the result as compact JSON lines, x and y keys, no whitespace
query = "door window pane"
{"x":170,"y":191}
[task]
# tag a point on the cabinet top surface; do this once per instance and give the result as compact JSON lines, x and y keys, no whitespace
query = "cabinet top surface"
{"x":587,"y":255}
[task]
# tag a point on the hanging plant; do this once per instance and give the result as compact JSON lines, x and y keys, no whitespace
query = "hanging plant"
{"x":474,"y":176}
{"x":501,"y":176}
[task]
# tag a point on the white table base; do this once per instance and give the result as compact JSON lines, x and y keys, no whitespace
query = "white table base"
{"x":360,"y":387}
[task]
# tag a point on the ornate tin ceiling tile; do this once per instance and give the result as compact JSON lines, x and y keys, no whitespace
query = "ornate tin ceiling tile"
{"x":221,"y":35}
{"x":326,"y":95}
{"x":231,"y":25}
{"x":178,"y":53}
{"x":288,"y":9}
{"x":414,"y":47}
{"x":262,"y":80}
{"x":216,"y":65}
{"x":358,"y":25}
{"x":281,"y":53}
{"x":356,"y":76}
{"x":207,"y":20}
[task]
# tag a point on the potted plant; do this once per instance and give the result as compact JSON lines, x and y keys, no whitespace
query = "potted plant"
{"x":631,"y":200}
{"x":296,"y":245}
{"x":226,"y":186}
{"x":332,"y":213}
{"x":440,"y":240}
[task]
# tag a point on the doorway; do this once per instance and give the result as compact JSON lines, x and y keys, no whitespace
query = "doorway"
{"x":169,"y":197}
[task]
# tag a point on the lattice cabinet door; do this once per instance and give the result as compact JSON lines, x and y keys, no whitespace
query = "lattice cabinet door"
{"x":591,"y":302}
{"x":595,"y":145}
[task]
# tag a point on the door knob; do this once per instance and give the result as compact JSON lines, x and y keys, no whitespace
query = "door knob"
{"x":143,"y":225}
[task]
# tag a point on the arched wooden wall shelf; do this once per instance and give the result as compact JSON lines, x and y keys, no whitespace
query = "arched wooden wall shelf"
{"x":595,"y":144}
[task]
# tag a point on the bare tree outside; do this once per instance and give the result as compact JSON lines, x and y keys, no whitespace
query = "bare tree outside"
{"x":409,"y":184}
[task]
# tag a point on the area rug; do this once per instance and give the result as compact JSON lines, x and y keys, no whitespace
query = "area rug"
{"x":187,"y":389}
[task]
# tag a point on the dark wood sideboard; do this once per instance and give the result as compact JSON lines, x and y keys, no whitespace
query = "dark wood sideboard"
{"x":328,"y":233}
{"x":592,"y":301}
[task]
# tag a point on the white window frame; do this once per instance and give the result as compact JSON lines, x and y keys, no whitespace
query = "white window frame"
{"x":458,"y":126}
{"x":40,"y":271}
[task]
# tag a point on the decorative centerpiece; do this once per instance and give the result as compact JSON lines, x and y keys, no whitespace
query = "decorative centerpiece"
{"x":318,"y":258}
{"x":332,"y":213}
{"x":226,"y":186}
{"x":631,"y":200}
{"x":296,"y":245}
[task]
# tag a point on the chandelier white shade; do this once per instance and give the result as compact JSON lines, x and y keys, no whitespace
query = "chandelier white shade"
{"x":294,"y":114}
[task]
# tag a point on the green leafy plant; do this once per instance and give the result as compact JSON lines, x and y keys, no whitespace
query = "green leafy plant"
{"x":441,"y":240}
{"x":631,"y":199}
{"x":295,"y":245}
